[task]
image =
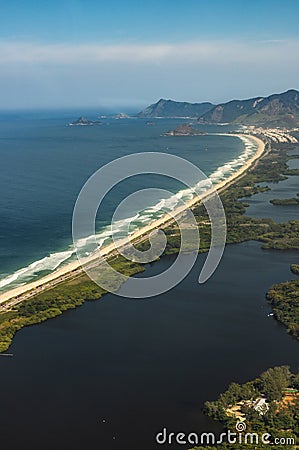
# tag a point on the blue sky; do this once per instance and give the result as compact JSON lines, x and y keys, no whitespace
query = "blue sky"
{"x":129,"y":53}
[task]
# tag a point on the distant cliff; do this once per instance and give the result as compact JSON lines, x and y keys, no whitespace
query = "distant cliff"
{"x":277,"y":110}
{"x":170,"y":108}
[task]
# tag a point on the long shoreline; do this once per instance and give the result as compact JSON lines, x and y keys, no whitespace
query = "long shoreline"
{"x":74,"y":269}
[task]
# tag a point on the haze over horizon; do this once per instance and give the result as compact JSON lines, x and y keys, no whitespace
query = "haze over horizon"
{"x":76,"y":53}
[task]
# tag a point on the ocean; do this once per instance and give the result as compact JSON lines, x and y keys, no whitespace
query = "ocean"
{"x":45,"y":164}
{"x":113,"y":373}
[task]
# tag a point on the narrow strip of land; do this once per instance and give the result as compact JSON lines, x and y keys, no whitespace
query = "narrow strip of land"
{"x":73,"y":269}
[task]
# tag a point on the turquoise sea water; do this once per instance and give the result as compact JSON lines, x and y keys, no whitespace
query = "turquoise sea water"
{"x":44,"y":165}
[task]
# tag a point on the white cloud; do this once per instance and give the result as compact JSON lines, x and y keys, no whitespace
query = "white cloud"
{"x":40,"y":75}
{"x":216,"y":52}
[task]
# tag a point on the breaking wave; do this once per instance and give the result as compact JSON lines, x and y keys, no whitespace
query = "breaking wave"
{"x":55,"y":260}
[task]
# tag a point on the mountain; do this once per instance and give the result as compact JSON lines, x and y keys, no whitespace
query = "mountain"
{"x":170,"y":108}
{"x":275,"y":110}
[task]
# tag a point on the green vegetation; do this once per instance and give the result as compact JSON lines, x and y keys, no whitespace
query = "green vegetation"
{"x":295,"y":269}
{"x":285,"y":201}
{"x":240,"y":228}
{"x":51,"y":303}
{"x":275,"y":110}
{"x":283,"y":236}
{"x":289,"y":172}
{"x":284,"y":299}
{"x":278,"y":389}
{"x":271,"y":384}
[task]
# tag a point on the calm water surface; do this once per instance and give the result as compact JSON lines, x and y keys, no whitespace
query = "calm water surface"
{"x":141,"y":365}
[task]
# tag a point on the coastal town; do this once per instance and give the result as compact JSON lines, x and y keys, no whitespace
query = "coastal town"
{"x":275,"y":135}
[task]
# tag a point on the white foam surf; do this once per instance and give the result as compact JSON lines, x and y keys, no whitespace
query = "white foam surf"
{"x":54,"y":260}
{"x":48,"y":263}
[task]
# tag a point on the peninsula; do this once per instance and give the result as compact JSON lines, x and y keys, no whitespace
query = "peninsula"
{"x":14,"y":296}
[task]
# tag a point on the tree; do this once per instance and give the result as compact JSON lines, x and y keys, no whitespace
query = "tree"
{"x":296,"y":381}
{"x":274,"y":381}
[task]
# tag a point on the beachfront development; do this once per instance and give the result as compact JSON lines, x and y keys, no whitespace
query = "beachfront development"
{"x":276,"y":135}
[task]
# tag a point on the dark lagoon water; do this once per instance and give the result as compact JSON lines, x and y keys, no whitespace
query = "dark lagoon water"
{"x":260,"y":205}
{"x":142,"y":365}
{"x":112,"y":373}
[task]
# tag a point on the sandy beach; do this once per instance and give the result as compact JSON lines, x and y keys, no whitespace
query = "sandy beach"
{"x":74,"y":269}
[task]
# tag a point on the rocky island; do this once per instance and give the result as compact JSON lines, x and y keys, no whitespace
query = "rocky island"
{"x":184,"y":130}
{"x":285,"y":201}
{"x":83,"y":121}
